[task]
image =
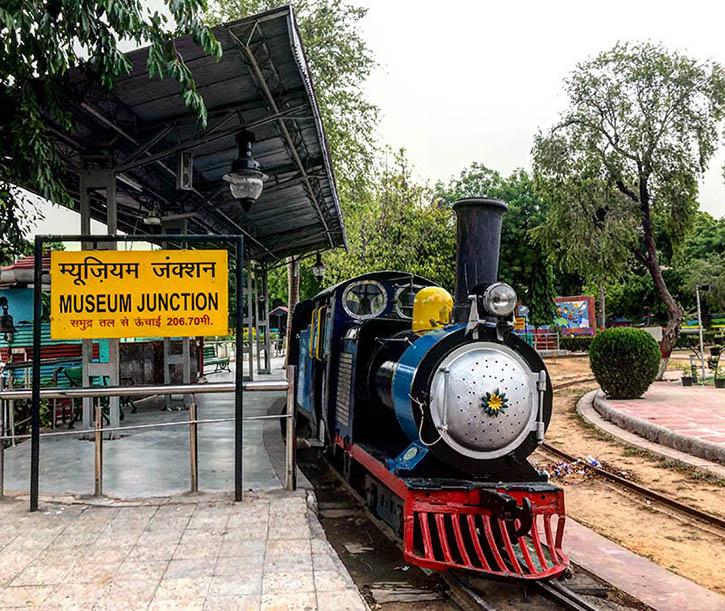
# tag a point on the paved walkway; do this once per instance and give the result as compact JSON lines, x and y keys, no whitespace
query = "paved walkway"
{"x":585,"y":407}
{"x":268,"y":552}
{"x":689,"y":419}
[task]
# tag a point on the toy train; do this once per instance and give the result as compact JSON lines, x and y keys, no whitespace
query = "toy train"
{"x":431,"y":407}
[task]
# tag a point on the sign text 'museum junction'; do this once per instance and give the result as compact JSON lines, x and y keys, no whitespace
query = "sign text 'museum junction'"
{"x":140,"y":302}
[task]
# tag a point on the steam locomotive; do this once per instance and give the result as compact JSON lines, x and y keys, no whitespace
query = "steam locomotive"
{"x":430,"y":408}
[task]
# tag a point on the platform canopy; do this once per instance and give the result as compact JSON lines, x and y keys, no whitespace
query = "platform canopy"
{"x":139,"y":130}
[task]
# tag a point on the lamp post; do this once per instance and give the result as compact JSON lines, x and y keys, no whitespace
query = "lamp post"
{"x":705,"y":287}
{"x":245,"y":179}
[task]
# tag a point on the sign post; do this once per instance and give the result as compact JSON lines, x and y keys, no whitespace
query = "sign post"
{"x":114,"y":294}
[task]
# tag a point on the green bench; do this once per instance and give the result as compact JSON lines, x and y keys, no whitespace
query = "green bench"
{"x":221,"y":363}
{"x":74,"y":375}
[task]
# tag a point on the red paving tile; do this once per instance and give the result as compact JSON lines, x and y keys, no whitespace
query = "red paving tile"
{"x":696,"y":412}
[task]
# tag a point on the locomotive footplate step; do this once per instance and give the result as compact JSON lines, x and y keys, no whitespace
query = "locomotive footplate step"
{"x":640,"y":578}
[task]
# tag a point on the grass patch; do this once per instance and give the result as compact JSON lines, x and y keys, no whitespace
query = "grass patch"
{"x":698,"y":475}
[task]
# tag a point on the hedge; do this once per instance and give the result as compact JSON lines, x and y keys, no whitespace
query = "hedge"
{"x":576,"y":343}
{"x":625,"y":361}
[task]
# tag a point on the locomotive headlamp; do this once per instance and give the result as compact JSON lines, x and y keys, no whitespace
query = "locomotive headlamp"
{"x":499,"y":299}
{"x":245,"y":179}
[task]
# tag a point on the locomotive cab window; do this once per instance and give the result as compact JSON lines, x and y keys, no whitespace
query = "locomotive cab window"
{"x":364,"y":299}
{"x":404,"y":298}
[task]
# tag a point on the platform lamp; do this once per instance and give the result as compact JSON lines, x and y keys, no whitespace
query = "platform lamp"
{"x":318,"y":269}
{"x":7,"y":328}
{"x":245,"y":179}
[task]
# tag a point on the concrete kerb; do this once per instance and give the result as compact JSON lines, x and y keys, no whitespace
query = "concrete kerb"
{"x":588,"y":409}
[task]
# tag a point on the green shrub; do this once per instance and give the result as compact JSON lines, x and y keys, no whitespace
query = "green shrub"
{"x":625,"y":362}
{"x":576,"y":343}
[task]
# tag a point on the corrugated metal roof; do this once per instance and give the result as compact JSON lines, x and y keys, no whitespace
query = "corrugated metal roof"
{"x":261,"y":84}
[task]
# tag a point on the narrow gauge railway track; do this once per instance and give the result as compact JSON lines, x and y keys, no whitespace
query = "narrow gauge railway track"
{"x":574,"y":382}
{"x":463,"y":595}
{"x":470,"y":600}
{"x":648,"y":493}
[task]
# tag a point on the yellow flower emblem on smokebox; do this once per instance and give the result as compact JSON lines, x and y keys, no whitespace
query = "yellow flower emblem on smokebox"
{"x":494,"y":402}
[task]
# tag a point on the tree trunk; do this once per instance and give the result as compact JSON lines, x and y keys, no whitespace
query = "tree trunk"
{"x":675,"y":314}
{"x":293,"y":296}
{"x":603,"y":306}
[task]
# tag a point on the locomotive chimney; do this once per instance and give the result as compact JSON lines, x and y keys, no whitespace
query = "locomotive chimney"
{"x":478,"y":242}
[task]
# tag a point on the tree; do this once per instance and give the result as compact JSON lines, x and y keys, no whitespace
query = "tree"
{"x":701,"y":261}
{"x":40,"y":41}
{"x":399,"y":226}
{"x":641,"y":127}
{"x":340,"y":63}
{"x":522,"y":262}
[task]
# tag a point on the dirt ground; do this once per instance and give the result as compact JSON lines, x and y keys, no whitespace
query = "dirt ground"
{"x":691,"y":550}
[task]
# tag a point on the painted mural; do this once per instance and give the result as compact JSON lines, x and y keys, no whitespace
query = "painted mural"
{"x":575,"y":315}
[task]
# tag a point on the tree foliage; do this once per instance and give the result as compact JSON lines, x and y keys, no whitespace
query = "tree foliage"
{"x":397,"y":226}
{"x":340,"y":62}
{"x":624,"y":161}
{"x":523,"y":262}
{"x":40,"y":41}
{"x":700,"y":261}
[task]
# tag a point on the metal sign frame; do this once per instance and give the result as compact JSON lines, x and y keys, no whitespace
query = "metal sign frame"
{"x":235,"y":240}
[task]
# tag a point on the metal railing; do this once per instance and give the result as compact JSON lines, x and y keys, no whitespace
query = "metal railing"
{"x":193,"y":421}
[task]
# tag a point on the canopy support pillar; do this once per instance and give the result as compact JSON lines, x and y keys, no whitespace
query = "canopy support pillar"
{"x":91,"y":180}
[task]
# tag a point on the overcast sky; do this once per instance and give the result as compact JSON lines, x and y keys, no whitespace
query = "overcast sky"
{"x":472,"y":80}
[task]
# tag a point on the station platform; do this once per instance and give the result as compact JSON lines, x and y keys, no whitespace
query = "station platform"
{"x":197,"y":552}
{"x":149,"y":543}
{"x":686,"y":419}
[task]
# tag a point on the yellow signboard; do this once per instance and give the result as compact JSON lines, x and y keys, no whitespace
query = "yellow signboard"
{"x":519,"y":323}
{"x":157,"y":293}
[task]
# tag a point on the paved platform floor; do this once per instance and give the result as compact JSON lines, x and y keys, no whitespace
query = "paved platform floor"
{"x":268,"y":552}
{"x":155,"y":462}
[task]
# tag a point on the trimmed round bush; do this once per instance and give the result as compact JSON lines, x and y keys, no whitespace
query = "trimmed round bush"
{"x":625,"y":361}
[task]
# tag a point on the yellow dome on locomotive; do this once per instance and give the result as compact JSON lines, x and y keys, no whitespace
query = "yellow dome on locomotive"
{"x":431,"y":309}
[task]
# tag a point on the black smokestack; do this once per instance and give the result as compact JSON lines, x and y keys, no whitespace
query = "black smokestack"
{"x":478,"y":244}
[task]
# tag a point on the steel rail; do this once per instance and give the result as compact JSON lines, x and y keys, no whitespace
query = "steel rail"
{"x":642,"y":490}
{"x":464,"y":596}
{"x":558,"y":592}
{"x":569,"y":383}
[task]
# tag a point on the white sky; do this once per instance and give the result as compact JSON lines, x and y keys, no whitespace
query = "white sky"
{"x":473,"y":80}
